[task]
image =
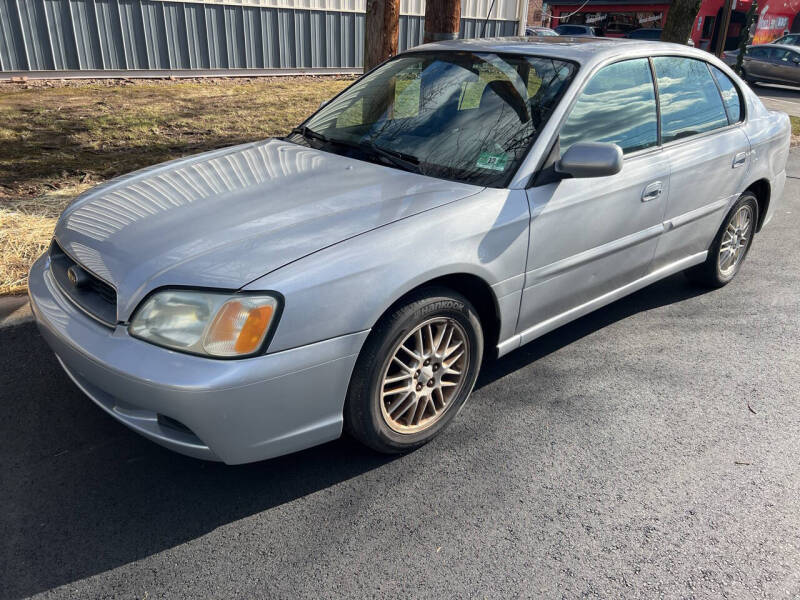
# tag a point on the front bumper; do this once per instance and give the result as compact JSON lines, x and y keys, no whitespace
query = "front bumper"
{"x":236,"y":411}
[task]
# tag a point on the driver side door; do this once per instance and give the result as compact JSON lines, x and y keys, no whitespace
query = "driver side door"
{"x":589,"y":238}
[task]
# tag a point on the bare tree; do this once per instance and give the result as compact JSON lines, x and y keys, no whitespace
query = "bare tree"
{"x":380,"y":31}
{"x":746,"y":35}
{"x":680,"y":20}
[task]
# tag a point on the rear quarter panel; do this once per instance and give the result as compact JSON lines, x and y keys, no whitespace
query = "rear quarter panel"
{"x":769,"y":133}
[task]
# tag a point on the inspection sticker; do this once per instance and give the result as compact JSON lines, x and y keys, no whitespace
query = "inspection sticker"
{"x":495,"y":162}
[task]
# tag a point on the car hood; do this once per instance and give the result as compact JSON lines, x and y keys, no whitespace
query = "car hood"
{"x":225,"y":218}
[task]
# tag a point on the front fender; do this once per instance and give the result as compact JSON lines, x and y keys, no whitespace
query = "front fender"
{"x":345,"y":288}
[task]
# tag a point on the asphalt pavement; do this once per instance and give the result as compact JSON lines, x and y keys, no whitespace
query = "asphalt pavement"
{"x":779,"y":97}
{"x":647,"y":450}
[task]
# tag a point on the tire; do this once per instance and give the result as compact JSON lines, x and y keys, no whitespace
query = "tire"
{"x":720,"y":266}
{"x":749,"y":80}
{"x":432,"y":394}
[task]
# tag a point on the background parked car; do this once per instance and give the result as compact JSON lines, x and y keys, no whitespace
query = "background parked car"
{"x":792,"y":39}
{"x":650,"y":33}
{"x":772,"y":63}
{"x":539,"y":32}
{"x":575,"y":30}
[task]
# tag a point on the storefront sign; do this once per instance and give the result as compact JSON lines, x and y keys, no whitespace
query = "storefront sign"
{"x":650,"y":19}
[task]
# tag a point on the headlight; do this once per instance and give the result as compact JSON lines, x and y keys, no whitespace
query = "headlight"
{"x":212,"y":323}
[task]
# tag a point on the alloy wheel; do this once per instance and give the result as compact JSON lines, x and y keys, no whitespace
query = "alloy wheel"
{"x":735,"y":240}
{"x":425,"y":373}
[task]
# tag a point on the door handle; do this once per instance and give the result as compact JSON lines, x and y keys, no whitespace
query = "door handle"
{"x":652,"y":191}
{"x":739,"y":159}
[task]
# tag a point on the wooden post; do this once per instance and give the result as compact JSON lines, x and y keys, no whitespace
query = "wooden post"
{"x":442,"y":20}
{"x":722,"y":34}
{"x":380,"y":31}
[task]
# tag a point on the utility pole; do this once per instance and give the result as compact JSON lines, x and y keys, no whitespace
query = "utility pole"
{"x":380,"y":31}
{"x":442,"y":20}
{"x":722,"y":32}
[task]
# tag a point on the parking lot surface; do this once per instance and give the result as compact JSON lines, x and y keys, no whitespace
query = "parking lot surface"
{"x":780,"y":97}
{"x":647,"y":450}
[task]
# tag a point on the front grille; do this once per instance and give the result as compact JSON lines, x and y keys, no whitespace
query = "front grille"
{"x":91,"y":294}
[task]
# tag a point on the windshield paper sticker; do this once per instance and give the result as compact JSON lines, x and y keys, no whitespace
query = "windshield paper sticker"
{"x":495,"y":162}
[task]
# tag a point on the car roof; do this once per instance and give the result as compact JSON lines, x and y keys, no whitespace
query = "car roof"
{"x":771,"y":45}
{"x":582,"y":50}
{"x":792,"y":47}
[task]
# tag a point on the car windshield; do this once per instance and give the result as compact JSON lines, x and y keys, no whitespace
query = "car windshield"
{"x":463,"y":116}
{"x":546,"y":32}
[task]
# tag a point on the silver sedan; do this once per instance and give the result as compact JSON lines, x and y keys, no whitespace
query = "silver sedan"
{"x":456,"y":203}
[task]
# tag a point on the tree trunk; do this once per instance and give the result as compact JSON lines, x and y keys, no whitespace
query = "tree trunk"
{"x":746,"y":35}
{"x":442,"y":20}
{"x":380,"y":31}
{"x":680,"y":20}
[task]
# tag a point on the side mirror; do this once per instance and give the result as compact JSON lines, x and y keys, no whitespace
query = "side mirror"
{"x":590,"y":159}
{"x":796,"y":60}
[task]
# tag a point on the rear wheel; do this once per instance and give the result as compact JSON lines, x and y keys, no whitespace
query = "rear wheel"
{"x":730,"y":246}
{"x":750,"y":81}
{"x":415,"y":372}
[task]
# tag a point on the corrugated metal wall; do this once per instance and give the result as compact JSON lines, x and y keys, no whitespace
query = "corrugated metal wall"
{"x":154,"y":34}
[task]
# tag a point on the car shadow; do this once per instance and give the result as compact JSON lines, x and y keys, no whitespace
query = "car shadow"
{"x":83,"y":495}
{"x":675,"y":288}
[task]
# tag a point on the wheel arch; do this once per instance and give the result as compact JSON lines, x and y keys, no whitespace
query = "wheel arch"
{"x":762,"y":190}
{"x":475,"y":289}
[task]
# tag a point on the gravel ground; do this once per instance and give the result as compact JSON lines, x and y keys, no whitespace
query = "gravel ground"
{"x":648,"y":450}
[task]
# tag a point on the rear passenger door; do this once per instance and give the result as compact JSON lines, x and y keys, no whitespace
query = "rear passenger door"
{"x":756,"y":62}
{"x":708,"y":152}
{"x":787,"y":66}
{"x":592,"y":236}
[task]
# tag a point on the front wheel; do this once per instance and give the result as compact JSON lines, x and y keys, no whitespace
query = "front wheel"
{"x":415,"y":372}
{"x":730,"y":246}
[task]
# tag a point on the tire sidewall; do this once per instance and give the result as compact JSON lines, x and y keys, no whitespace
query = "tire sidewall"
{"x":746,"y":198}
{"x":447,"y":305}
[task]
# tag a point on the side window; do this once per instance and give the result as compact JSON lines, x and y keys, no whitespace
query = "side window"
{"x":780,"y":55}
{"x":730,"y":96}
{"x":690,"y":100}
{"x":618,"y":105}
{"x":759,"y":53}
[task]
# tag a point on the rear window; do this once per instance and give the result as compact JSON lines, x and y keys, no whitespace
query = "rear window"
{"x":570,"y":29}
{"x":730,"y":95}
{"x":646,"y":34}
{"x":760,"y":53}
{"x":690,"y":100}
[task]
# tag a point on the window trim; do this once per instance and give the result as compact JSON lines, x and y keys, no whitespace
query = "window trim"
{"x":652,"y":149}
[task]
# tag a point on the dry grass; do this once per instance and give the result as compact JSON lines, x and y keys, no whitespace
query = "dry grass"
{"x":795,"y":130}
{"x":58,"y":139}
